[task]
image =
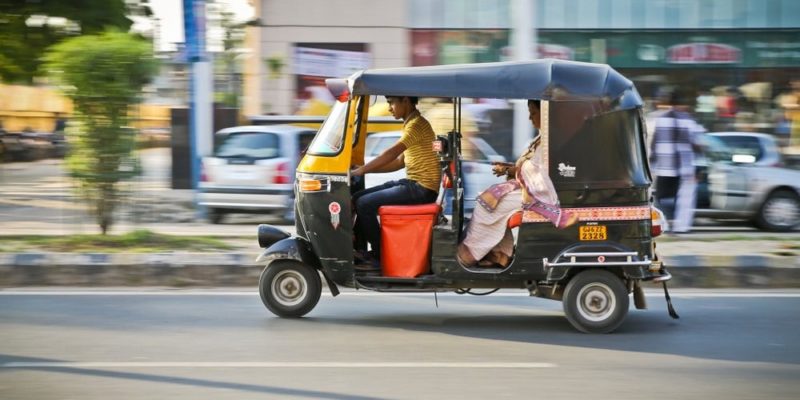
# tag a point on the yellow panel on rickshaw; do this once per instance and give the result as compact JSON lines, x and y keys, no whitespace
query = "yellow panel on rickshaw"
{"x":331,"y":149}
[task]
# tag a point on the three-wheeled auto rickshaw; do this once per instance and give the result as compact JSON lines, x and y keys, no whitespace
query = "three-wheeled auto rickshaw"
{"x":593,"y":137}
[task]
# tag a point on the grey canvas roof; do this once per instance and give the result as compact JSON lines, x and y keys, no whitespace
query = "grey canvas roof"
{"x":545,"y":79}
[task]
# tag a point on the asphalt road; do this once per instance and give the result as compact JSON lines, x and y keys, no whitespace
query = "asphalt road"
{"x":225,"y":345}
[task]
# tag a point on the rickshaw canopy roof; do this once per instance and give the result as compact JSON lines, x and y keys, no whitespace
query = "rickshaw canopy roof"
{"x":544,"y":79}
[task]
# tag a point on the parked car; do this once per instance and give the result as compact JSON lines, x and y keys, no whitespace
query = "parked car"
{"x":252,"y":170}
{"x":752,"y":148}
{"x":741,"y":177}
{"x":477,"y":155}
{"x":28,"y":145}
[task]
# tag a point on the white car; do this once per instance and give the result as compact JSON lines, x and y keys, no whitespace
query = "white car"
{"x":752,"y":148}
{"x":252,"y":170}
{"x":477,"y":168}
{"x":747,"y":181}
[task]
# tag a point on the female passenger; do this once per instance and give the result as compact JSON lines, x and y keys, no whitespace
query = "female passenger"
{"x":488,"y":241}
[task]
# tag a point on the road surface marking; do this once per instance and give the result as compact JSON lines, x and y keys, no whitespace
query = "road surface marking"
{"x":258,"y":364}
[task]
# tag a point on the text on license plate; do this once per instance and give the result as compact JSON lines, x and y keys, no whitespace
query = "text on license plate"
{"x":592,"y":232}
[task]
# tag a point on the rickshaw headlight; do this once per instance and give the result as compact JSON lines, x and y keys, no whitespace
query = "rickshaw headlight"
{"x":313,"y":185}
{"x":310,"y":185}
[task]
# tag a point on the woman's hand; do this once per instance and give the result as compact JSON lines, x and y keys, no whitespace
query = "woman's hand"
{"x":501,"y":168}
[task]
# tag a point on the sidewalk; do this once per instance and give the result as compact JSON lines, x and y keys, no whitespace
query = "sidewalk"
{"x":696,"y":261}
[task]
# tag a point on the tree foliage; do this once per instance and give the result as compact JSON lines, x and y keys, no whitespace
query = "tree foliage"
{"x":103,"y":75}
{"x":23,"y":45}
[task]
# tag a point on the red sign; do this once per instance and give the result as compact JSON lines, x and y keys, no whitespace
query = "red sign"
{"x":556,"y":51}
{"x":703,"y":53}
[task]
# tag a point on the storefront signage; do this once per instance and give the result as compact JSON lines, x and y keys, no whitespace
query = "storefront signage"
{"x":628,"y":49}
{"x":324,"y":62}
{"x":703,"y":53}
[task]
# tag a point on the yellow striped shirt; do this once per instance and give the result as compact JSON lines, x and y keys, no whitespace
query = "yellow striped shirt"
{"x":422,"y":164}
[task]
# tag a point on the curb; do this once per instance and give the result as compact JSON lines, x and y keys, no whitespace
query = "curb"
{"x":119,"y":269}
{"x":240,"y":269}
{"x":743,"y":271}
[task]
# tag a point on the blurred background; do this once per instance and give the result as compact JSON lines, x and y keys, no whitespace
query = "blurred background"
{"x":142,"y":141}
{"x":736,"y":62}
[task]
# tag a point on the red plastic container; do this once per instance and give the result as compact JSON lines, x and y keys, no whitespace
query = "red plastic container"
{"x":406,"y":239}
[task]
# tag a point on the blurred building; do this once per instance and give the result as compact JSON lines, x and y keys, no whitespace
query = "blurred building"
{"x":694,"y":44}
{"x":299,"y":43}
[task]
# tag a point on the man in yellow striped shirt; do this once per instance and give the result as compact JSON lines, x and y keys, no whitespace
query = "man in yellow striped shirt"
{"x":414,"y":152}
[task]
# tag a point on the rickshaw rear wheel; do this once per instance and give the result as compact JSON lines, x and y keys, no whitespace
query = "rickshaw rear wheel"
{"x":596,"y":301}
{"x":290,"y":289}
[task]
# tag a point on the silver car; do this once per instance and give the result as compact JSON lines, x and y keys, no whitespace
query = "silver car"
{"x":252,"y":170}
{"x":750,"y":183}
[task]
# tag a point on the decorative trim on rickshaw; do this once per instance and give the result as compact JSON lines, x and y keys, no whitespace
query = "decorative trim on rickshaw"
{"x":597,"y":214}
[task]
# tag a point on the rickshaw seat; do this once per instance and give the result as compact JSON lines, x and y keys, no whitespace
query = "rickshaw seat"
{"x":515,"y":220}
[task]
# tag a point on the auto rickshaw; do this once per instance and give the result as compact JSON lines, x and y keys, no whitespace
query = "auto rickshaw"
{"x":593,"y":134}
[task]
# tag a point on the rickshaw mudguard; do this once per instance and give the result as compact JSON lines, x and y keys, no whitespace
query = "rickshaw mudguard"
{"x":298,"y":249}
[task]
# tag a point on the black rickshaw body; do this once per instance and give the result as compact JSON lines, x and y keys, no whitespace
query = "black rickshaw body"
{"x":593,"y":138}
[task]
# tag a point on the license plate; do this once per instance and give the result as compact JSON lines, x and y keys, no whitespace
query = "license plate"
{"x":242,"y":175}
{"x":593,"y":232}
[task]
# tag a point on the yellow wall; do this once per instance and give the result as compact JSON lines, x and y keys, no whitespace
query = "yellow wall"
{"x":36,"y":107}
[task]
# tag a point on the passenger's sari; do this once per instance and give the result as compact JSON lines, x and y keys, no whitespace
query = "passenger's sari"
{"x":530,"y":190}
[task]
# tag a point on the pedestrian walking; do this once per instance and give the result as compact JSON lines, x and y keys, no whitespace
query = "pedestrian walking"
{"x":672,"y":162}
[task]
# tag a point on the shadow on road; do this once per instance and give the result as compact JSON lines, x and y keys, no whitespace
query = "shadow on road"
{"x":709,"y":329}
{"x":153,"y":378}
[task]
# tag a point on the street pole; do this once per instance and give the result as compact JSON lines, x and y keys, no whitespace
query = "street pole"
{"x":524,"y":43}
{"x":200,"y":88}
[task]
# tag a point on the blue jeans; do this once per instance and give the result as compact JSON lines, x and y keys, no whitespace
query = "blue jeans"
{"x":368,"y":201}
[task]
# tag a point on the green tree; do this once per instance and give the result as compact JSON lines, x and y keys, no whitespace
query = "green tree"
{"x":24,"y":39}
{"x":227,"y":60}
{"x":103,"y":75}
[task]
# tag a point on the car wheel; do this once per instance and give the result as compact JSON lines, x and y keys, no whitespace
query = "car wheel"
{"x":290,"y":289}
{"x":215,"y":216}
{"x":780,"y":212}
{"x":595,"y":301}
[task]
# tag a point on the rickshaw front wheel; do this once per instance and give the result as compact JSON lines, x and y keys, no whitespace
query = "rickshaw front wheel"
{"x":595,"y":301}
{"x":290,"y":289}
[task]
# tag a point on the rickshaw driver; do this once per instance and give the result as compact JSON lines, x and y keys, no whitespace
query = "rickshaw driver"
{"x":413,"y":151}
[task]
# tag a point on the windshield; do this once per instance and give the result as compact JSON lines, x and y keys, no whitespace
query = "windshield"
{"x":747,"y":145}
{"x":715,"y":149}
{"x":329,"y":138}
{"x":249,"y":145}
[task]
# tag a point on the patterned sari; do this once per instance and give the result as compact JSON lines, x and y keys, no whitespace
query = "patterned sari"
{"x":530,"y":190}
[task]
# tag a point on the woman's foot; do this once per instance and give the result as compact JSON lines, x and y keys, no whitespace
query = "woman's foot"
{"x":464,"y":257}
{"x":498,"y":258}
